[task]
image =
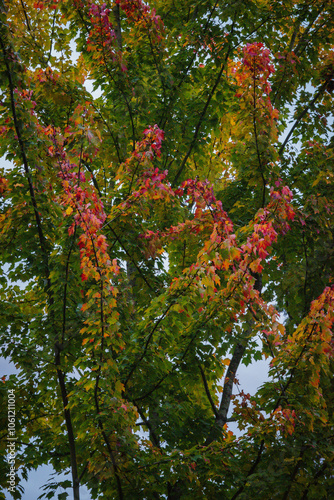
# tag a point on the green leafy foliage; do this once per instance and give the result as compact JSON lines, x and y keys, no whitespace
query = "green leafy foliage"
{"x":155,"y":237}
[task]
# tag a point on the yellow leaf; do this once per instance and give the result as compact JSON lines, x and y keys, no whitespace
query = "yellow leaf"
{"x":281,"y":329}
{"x":69,"y":211}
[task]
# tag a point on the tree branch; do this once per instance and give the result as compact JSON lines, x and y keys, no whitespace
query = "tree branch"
{"x":301,"y":116}
{"x":207,"y":391}
{"x":42,"y":242}
{"x":221,"y":416}
{"x":200,"y":121}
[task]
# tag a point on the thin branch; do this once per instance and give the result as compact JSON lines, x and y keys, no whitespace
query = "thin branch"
{"x":66,"y":284}
{"x":301,"y":116}
{"x":257,"y":142}
{"x":150,"y":335}
{"x":25,"y":163}
{"x":202,"y":116}
{"x":252,"y":469}
{"x":131,"y":258}
{"x":147,"y":423}
{"x":111,"y":76}
{"x":315,"y":480}
{"x":299,"y":46}
{"x":106,"y":440}
{"x":162,"y":123}
{"x":294,"y":474}
{"x":109,"y":130}
{"x":261,"y":448}
{"x":207,"y":391}
{"x":117,"y":26}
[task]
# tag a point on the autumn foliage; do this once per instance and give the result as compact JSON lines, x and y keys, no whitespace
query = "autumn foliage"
{"x":161,"y":230}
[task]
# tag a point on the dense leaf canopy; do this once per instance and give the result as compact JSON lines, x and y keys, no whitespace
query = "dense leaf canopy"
{"x":159,"y":230}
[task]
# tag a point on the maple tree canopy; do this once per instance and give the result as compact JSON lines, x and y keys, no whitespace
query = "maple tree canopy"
{"x":159,"y":232}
